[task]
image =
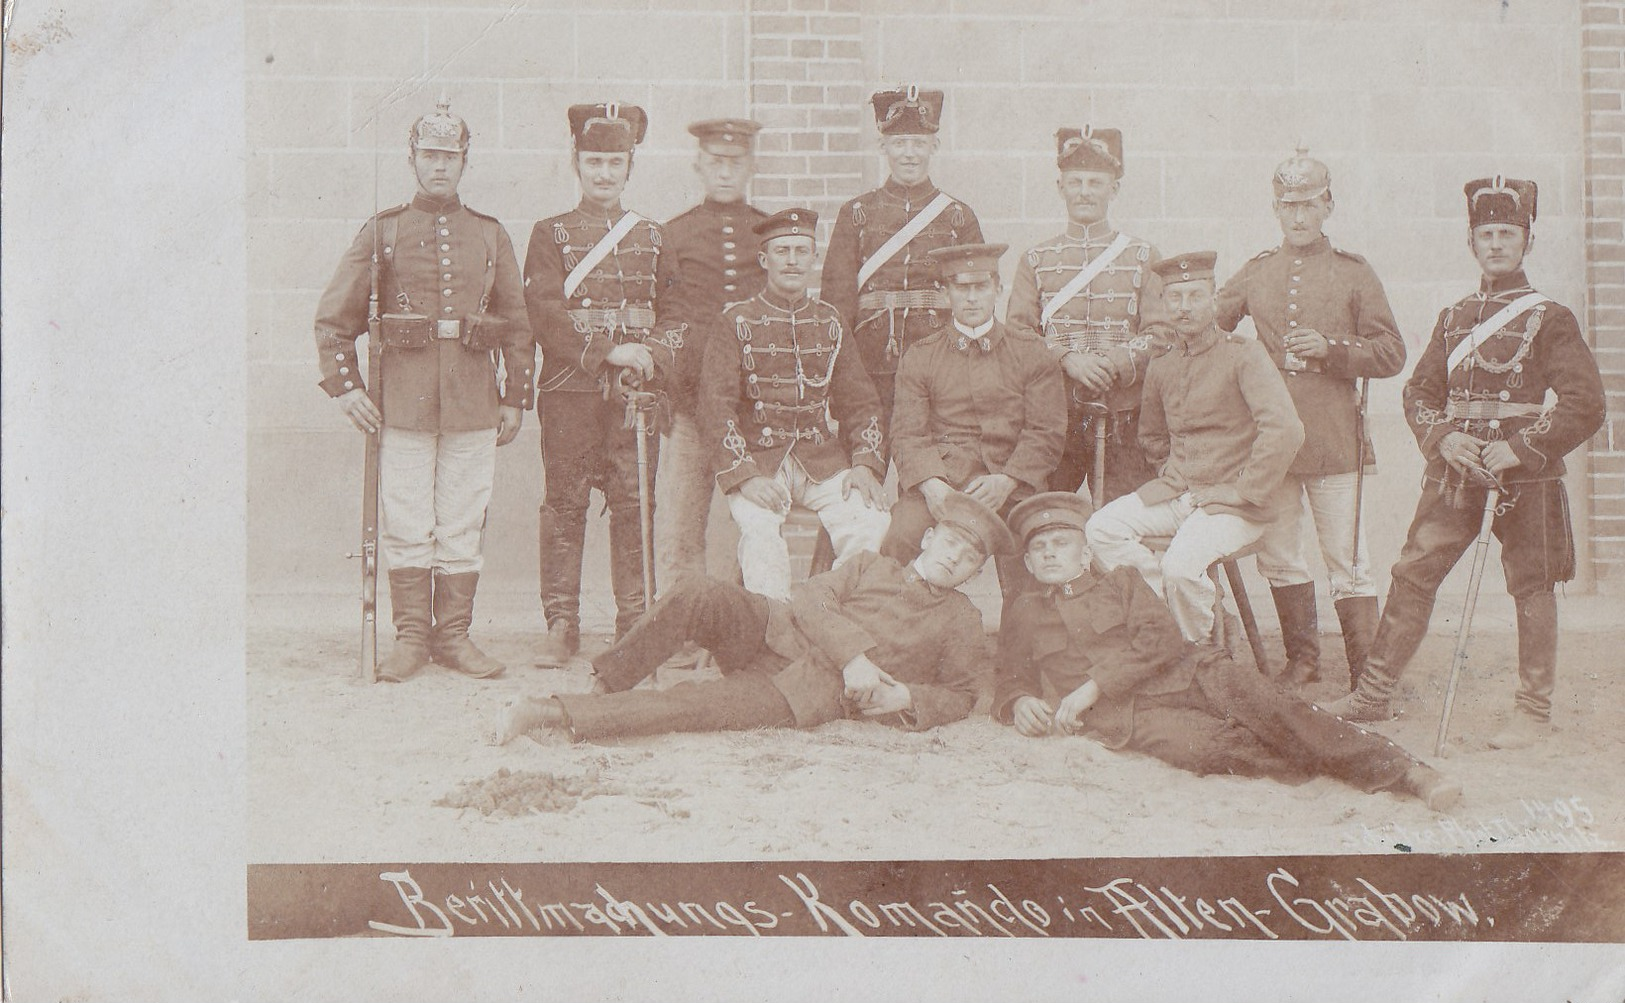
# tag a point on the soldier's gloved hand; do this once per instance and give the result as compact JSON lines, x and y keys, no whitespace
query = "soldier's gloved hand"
{"x":1093,"y":371}
{"x":934,"y":490}
{"x":1032,"y":716}
{"x":1462,"y":452}
{"x":635,"y":357}
{"x":863,"y":481}
{"x":1307,"y":343}
{"x":991,"y":490}
{"x":1498,"y":457}
{"x":863,"y":680}
{"x":889,"y":699}
{"x":766,"y":492}
{"x":1069,"y":716}
{"x":361,"y":411}
{"x":508,"y":421}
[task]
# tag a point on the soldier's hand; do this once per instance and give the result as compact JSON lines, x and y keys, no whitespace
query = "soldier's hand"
{"x":1463,"y":453}
{"x":361,"y":411}
{"x":766,"y":492}
{"x":863,"y":680}
{"x":1498,"y":457}
{"x":1307,"y":343}
{"x":991,"y":490}
{"x":1069,"y":716}
{"x":934,"y":490}
{"x":863,"y":481}
{"x":1091,"y":370}
{"x":508,"y":421}
{"x":1033,"y":717}
{"x":1217,"y":494}
{"x":635,"y":357}
{"x":889,"y":699}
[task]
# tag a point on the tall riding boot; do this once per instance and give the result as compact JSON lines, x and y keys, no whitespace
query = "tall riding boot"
{"x":1400,"y":632}
{"x":1300,"y":632}
{"x":562,"y":535}
{"x":410,"y":591}
{"x":1537,"y":673}
{"x":1358,"y":617}
{"x":453,"y":614}
{"x":626,"y":568}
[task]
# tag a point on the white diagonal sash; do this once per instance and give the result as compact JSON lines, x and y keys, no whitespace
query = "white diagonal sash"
{"x":899,"y":240}
{"x":1501,"y":318}
{"x":606,"y":244}
{"x":1081,"y":281}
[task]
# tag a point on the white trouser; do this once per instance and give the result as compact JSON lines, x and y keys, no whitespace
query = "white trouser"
{"x":1180,"y":575}
{"x":1281,"y":556}
{"x":764,"y":557}
{"x":434,"y":488}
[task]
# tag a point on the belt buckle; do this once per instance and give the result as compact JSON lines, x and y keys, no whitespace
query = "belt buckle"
{"x":448,"y":330}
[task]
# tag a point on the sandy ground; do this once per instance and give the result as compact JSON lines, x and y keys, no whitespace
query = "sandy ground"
{"x":341,"y":770}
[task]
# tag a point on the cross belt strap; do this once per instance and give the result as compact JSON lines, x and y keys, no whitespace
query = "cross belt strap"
{"x":599,"y":251}
{"x":1081,"y":281}
{"x":899,"y":240}
{"x":1501,"y":318}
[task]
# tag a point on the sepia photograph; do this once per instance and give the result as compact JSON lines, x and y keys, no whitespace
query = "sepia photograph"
{"x":902,"y":469}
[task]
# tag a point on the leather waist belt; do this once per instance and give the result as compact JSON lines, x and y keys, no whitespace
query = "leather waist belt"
{"x":639,"y":318}
{"x":1481,"y":410}
{"x":923,"y":299}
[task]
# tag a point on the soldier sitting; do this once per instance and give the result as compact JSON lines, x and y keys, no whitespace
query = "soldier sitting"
{"x":1110,"y":650}
{"x":872,"y":639}
{"x":773,"y":376}
{"x":980,"y":409}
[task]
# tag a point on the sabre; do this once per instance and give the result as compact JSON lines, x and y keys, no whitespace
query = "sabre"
{"x":638,"y":405}
{"x":1359,"y":464}
{"x":1100,"y":414}
{"x":1481,"y":551}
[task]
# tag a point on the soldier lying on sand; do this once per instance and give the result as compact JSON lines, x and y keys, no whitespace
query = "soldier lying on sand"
{"x":1110,"y":649}
{"x":872,"y":638}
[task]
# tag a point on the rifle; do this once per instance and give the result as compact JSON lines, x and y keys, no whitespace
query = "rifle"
{"x":369,"y":475}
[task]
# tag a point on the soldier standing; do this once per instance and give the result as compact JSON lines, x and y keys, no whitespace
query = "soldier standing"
{"x":1322,"y":315}
{"x":1093,"y":296}
{"x":449,"y":283}
{"x":878,"y":272}
{"x":709,"y":261}
{"x":980,"y":409}
{"x":1475,"y":403}
{"x":590,"y":289}
{"x":773,"y":378}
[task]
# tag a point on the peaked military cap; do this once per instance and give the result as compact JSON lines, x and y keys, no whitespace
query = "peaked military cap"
{"x":788,"y":223}
{"x":726,"y":136}
{"x":1089,"y":149}
{"x":1186,"y":267}
{"x":1500,"y":200}
{"x":608,"y":127}
{"x":968,"y":515}
{"x":1049,"y":510}
{"x":1300,"y":178}
{"x":968,"y":262}
{"x":909,"y":110}
{"x":440,"y":130}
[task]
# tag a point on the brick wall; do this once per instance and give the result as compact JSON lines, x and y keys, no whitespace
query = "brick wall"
{"x":1404,"y":99}
{"x":1603,"y":56}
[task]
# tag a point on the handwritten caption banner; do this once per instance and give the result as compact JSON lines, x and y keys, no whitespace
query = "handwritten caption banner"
{"x":1550,"y":897}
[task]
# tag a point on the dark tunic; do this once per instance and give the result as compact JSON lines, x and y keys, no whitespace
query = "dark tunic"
{"x":1335,"y":292}
{"x":444,"y":261}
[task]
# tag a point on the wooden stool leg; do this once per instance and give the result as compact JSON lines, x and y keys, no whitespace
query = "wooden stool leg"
{"x":823,"y":555}
{"x":1249,"y":623}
